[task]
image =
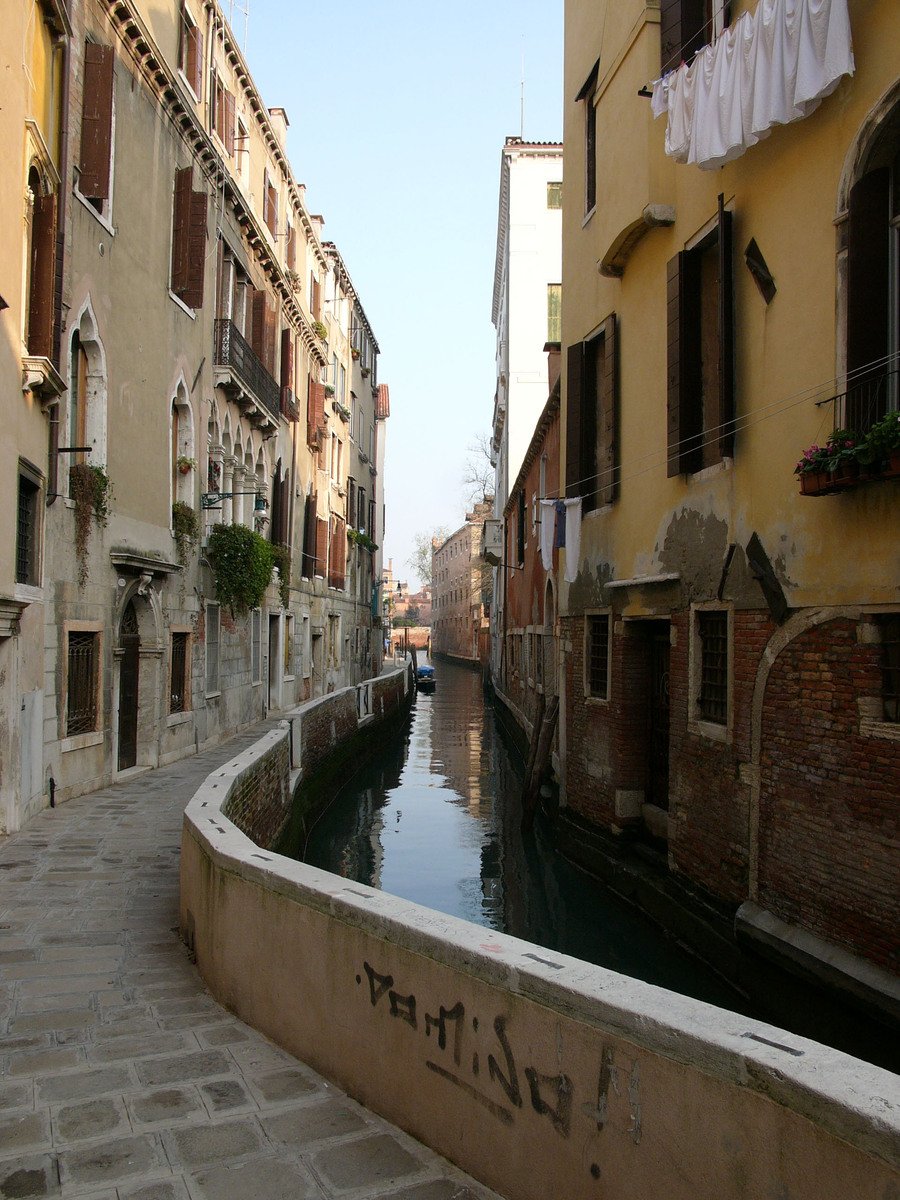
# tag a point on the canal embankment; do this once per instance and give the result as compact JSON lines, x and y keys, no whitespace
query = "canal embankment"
{"x":538,"y":1073}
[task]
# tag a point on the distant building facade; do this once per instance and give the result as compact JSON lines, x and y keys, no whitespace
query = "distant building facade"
{"x":460,"y":590}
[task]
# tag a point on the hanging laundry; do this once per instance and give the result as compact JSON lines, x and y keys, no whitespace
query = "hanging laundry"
{"x":560,"y":540}
{"x":573,"y":537}
{"x":772,"y":66}
{"x":548,"y":530}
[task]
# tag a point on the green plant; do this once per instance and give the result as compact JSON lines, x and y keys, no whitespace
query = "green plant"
{"x":281,"y":556}
{"x":842,"y":447}
{"x":882,"y":439}
{"x":241,"y":563}
{"x":329,"y":389}
{"x":185,"y":464}
{"x":358,"y":538}
{"x":185,"y":529}
{"x":320,"y":330}
{"x":91,"y":493}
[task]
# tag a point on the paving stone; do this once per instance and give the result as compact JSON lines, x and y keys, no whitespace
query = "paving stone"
{"x":163,"y":1189}
{"x":113,"y":1027}
{"x":110,"y":1161}
{"x":257,"y":1055}
{"x":437,"y":1189}
{"x":17,"y":1095}
{"x":195,"y":1020}
{"x":67,"y":983}
{"x":65,"y":1019}
{"x":80,"y":1085}
{"x":167,"y":1104}
{"x":41,"y":1062}
{"x":224,"y":1095}
{"x":116,"y":1049}
{"x":312,"y":1123}
{"x":23,"y":1178}
{"x":199,"y":1145}
{"x":272,"y":1178}
{"x":90,"y":1119}
{"x":16,"y":956}
{"x":63,"y":1002}
{"x":286,"y":1084}
{"x":183,"y":1067}
{"x":223,"y":1035}
{"x":371,"y":1160}
{"x":23,"y":1131}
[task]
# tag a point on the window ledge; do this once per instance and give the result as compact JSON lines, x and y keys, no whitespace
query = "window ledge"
{"x":596,"y":701}
{"x":888,"y":730}
{"x":711,"y":730}
{"x":587,"y":216}
{"x":28,"y":593}
{"x":99,"y":217}
{"x":41,"y":377}
{"x":81,"y":742}
{"x":213,"y":695}
{"x":181,"y":718}
{"x":187,"y":83}
{"x":181,"y":304}
{"x":711,"y":471}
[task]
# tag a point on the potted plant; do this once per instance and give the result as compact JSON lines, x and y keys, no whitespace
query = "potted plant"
{"x":843,"y":463}
{"x":320,"y":330}
{"x":812,"y":469}
{"x":329,"y":390}
{"x":354,"y":353}
{"x":880,"y":449}
{"x":184,"y":464}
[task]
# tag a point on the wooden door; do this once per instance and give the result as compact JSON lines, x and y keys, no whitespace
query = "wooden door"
{"x":129,"y":669}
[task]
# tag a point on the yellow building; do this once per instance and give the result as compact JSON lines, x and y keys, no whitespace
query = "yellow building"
{"x":730,"y":298}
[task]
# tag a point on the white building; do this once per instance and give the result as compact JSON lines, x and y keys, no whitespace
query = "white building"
{"x":525,"y":313}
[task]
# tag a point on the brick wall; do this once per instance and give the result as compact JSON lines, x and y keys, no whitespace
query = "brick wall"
{"x":259,"y":800}
{"x":829,"y":796}
{"x":324,"y":724}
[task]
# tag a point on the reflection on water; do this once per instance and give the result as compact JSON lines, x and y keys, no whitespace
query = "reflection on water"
{"x":435,"y":819}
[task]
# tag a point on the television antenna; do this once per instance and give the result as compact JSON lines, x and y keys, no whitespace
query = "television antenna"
{"x":242,"y":8}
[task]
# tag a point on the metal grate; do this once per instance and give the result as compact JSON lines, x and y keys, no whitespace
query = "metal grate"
{"x":713,"y":698}
{"x":81,"y":693}
{"x":26,"y":532}
{"x":890,"y":667}
{"x":598,"y":656}
{"x":178,"y":687}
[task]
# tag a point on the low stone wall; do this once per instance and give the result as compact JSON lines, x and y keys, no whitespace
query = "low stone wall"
{"x":541,"y":1075}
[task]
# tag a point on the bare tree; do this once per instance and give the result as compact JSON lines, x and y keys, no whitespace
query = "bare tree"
{"x":478,"y":472}
{"x":420,"y":559}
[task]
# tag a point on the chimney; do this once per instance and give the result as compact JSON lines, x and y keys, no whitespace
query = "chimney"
{"x":280,"y":125}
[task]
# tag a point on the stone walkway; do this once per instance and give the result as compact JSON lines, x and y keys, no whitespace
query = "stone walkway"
{"x":120,"y":1076}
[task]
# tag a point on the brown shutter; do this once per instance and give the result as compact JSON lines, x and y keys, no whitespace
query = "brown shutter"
{"x":674,"y":363}
{"x":320,"y":405}
{"x":868,"y":277}
{"x":309,"y":536}
{"x":683,"y":30}
{"x":726,"y":331}
{"x":287,"y":358}
{"x":311,"y":426}
{"x":351,"y":502}
{"x":607,"y":448}
{"x":43,"y":276}
{"x":96,"y":122}
{"x":229,"y":123}
{"x":275,"y":512}
{"x":271,"y":335}
{"x":321,"y":546}
{"x":197,"y":76}
{"x":258,"y":324}
{"x":180,"y":230}
{"x":574,"y":400}
{"x":370,"y":528}
{"x":193,"y":293}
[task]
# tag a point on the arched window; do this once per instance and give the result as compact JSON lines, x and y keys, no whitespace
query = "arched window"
{"x":86,"y":398}
{"x":182,"y":452}
{"x":873,"y":279}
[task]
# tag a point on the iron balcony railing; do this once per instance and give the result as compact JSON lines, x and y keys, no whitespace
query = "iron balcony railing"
{"x":234,"y":351}
{"x":866,"y":400}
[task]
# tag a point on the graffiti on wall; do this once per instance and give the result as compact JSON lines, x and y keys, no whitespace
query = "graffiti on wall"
{"x":479,"y":1058}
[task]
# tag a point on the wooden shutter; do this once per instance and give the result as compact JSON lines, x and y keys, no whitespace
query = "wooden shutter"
{"x":181,"y":215}
{"x":96,"y":122}
{"x":270,"y":319}
{"x":868,"y":277}
{"x":320,"y":405}
{"x":309,"y":536}
{"x":258,"y":324}
{"x":321,"y":546}
{"x":361,"y":509}
{"x":311,"y":426}
{"x":607,"y":416}
{"x":275,"y":513}
{"x":574,"y":401}
{"x":370,"y":528}
{"x":196,"y":49}
{"x":229,"y":123}
{"x":193,"y":293}
{"x":287,"y":358}
{"x":726,"y":331}
{"x":674,"y":387}
{"x":351,"y":502}
{"x":683,"y":30}
{"x":43,"y":276}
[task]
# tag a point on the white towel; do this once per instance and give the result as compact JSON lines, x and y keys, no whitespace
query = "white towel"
{"x":573,"y":538}
{"x":548,"y":528}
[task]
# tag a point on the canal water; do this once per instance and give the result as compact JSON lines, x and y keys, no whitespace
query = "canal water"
{"x":435,"y":819}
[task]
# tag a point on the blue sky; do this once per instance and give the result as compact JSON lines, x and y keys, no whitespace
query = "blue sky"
{"x":398,"y":112}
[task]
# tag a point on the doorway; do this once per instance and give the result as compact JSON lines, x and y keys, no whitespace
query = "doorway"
{"x":274,"y":661}
{"x":657,"y":791}
{"x":129,"y":672}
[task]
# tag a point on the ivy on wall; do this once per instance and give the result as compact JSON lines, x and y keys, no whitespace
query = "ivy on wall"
{"x":241,"y":563}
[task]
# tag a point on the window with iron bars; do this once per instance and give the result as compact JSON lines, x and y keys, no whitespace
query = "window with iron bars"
{"x":82,"y":678}
{"x":597,"y":664}
{"x":889,"y":624}
{"x":28,"y":528}
{"x":712,"y":697}
{"x":179,"y":675}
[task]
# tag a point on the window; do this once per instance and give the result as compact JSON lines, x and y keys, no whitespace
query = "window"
{"x":222,"y":115}
{"x":315,"y":297}
{"x":83,"y":675}
{"x":554,"y":195}
{"x":40,"y":267}
{"x":520,"y":529}
{"x":596,"y":656}
{"x":179,"y":673}
{"x":592,"y":417}
{"x":78,"y":374}
{"x":688,"y":25}
{"x":270,"y":205}
{"x":256,"y":646}
{"x":213,"y":614}
{"x":306,"y":647}
{"x":95,"y":156}
{"x":334,"y":640}
{"x":712,"y":692}
{"x":188,"y":240}
{"x":588,"y":96}
{"x":242,"y":151}
{"x":28,"y":528}
{"x":700,"y":315}
{"x":890,"y":666}
{"x":288,"y":645}
{"x":873,"y":287}
{"x":554,"y":312}
{"x":190,"y":55}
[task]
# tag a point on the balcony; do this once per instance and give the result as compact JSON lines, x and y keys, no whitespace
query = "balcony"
{"x":242,"y":374}
{"x":864,"y":446}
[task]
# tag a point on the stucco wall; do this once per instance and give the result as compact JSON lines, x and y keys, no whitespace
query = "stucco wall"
{"x":541,"y":1075}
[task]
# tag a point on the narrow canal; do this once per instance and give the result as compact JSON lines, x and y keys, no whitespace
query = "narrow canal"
{"x":435,"y":819}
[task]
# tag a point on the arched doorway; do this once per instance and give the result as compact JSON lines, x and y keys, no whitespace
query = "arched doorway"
{"x":129,"y":674}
